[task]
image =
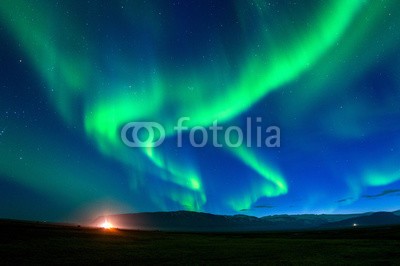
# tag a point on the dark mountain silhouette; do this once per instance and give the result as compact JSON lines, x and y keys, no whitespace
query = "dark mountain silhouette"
{"x":181,"y":221}
{"x":305,"y":221}
{"x":374,"y":219}
{"x":197,"y":221}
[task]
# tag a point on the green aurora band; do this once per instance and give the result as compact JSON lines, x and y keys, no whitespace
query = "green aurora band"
{"x":151,"y":91}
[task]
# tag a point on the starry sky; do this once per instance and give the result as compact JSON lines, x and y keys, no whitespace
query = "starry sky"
{"x":73,"y":73}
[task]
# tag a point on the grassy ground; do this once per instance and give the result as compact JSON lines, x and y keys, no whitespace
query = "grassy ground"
{"x":40,"y":243}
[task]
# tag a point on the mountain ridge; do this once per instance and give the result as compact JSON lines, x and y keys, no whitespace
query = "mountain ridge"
{"x":201,"y":221}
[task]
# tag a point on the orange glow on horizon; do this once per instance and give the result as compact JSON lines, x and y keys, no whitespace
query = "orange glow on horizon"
{"x":106,"y":225}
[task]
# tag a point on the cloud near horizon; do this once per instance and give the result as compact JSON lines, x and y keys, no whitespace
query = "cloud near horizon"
{"x":383,"y":193}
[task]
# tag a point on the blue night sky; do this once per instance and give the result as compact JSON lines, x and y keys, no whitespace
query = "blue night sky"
{"x":73,"y":73}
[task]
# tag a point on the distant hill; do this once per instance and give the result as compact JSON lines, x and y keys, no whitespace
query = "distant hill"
{"x":197,"y":221}
{"x":306,"y":221}
{"x":374,"y":219}
{"x":182,"y":221}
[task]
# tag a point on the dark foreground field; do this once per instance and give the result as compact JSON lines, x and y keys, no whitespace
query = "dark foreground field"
{"x":42,"y":243}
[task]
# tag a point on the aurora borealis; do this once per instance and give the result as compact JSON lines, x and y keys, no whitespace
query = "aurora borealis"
{"x":73,"y":73}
